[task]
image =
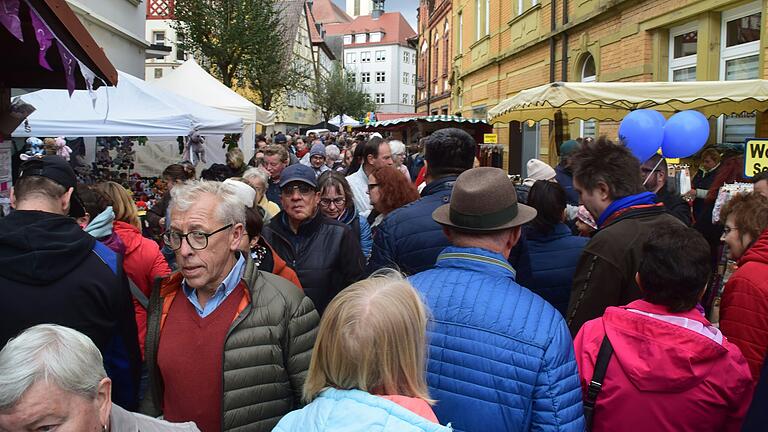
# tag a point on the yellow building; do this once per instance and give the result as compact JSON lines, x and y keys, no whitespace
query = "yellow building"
{"x":504,"y":46}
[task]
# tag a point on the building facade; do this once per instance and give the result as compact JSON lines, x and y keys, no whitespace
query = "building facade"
{"x":435,"y":62}
{"x":356,"y":8}
{"x":162,"y":38}
{"x":502,"y":47}
{"x":118,"y":27}
{"x":377,"y":55}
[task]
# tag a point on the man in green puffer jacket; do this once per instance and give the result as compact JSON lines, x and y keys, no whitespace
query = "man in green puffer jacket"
{"x":227,"y":345}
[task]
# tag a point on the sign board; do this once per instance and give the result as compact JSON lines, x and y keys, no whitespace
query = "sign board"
{"x":755,"y":156}
{"x":490,"y":138}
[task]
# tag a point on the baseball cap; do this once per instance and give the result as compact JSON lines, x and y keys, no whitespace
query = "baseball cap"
{"x":298,"y":172}
{"x":57,"y":169}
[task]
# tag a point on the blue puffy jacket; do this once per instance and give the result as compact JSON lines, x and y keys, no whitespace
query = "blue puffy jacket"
{"x":353,"y":411}
{"x":500,"y":357}
{"x":564,"y":178}
{"x":552,"y":260}
{"x":408,"y":239}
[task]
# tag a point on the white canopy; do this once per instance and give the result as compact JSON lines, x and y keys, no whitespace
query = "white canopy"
{"x":343,"y":120}
{"x":132,"y":108}
{"x":193,"y":82}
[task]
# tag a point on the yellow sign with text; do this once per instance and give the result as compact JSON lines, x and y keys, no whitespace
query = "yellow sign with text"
{"x":490,"y":138}
{"x":755,"y":157}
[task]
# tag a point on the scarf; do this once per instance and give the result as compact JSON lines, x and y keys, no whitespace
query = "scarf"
{"x":101,"y":225}
{"x":626,"y":202}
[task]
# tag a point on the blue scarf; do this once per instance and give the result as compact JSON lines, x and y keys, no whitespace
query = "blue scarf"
{"x":622,"y":203}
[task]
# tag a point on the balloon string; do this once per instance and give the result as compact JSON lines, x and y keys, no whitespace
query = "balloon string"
{"x":653,"y":171}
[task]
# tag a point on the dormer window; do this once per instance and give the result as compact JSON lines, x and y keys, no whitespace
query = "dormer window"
{"x":376,"y":36}
{"x":360,"y":38}
{"x":347,"y":39}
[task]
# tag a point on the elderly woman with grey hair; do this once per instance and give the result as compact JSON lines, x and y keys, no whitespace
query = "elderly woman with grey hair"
{"x":52,"y":378}
{"x":398,"y":157}
{"x":259,"y":180}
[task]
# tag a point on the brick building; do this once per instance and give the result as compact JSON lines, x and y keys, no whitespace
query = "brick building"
{"x":435,"y":51}
{"x":504,"y":46}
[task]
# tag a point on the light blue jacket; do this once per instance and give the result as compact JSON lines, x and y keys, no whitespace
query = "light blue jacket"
{"x":352,"y":411}
{"x":500,"y":357}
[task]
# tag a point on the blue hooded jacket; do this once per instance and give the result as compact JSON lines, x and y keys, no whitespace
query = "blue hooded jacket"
{"x":500,"y":357}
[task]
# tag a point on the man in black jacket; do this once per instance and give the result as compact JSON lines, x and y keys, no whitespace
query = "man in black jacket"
{"x":51,"y":271}
{"x":654,"y":174}
{"x":325,"y":253}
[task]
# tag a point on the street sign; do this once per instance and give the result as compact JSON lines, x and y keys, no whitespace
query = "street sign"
{"x":490,"y":139}
{"x":755,"y":156}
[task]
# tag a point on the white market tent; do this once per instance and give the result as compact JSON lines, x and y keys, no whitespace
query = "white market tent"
{"x":193,"y":82}
{"x":343,"y":120}
{"x":132,"y":108}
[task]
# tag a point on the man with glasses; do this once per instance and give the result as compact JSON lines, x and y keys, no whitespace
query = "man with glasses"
{"x":654,"y":174}
{"x":227,"y":345}
{"x":324,"y":252}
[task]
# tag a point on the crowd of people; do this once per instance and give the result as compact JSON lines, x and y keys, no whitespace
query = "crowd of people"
{"x":350,"y":283}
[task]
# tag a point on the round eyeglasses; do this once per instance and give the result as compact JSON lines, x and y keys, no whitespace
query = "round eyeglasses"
{"x":195,"y":239}
{"x":326,"y":202}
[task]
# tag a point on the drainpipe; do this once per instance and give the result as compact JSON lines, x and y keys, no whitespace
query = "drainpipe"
{"x":565,"y":42}
{"x":553,"y":25}
{"x":429,"y":72}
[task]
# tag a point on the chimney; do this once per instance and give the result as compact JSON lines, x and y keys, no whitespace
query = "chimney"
{"x":378,"y":9}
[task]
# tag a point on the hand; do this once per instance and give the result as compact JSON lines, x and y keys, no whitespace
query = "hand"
{"x":690,"y":195}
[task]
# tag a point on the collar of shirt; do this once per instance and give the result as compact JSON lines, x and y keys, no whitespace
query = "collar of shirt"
{"x":225,"y":288}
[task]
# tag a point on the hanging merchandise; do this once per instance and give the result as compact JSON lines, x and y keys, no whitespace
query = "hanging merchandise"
{"x":726,"y":192}
{"x":490,"y":155}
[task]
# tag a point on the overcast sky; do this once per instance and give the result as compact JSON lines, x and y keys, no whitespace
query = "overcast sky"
{"x":406,"y":7}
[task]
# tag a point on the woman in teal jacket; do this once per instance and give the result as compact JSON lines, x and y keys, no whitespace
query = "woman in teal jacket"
{"x":367,"y":368}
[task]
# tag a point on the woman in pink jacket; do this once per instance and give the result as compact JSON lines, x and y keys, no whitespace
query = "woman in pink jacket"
{"x":670,"y":369}
{"x":143,"y":262}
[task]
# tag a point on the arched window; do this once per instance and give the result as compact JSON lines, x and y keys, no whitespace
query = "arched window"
{"x":588,"y":128}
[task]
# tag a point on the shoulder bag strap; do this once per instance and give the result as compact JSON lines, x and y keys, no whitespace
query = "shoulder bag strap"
{"x":596,"y":384}
{"x":138,"y":295}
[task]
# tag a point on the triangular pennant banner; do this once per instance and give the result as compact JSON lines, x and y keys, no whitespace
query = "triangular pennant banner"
{"x":9,"y":17}
{"x":69,"y":62}
{"x":89,"y":77}
{"x":44,"y":37}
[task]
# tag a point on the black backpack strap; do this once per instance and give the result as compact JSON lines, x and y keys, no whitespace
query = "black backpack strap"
{"x":138,"y":295}
{"x":596,"y":384}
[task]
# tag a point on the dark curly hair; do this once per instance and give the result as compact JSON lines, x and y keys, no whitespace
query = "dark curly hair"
{"x":449,"y":151}
{"x":609,"y":163}
{"x":395,"y":190}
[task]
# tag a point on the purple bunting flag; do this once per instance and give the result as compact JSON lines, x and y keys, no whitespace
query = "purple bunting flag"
{"x":44,"y":37}
{"x":70,"y":63}
{"x":9,"y":17}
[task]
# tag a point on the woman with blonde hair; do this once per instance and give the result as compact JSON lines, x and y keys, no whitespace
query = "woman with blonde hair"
{"x":143,"y":261}
{"x":367,"y":367}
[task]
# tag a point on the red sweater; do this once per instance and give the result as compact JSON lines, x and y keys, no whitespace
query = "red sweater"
{"x":190,"y":361}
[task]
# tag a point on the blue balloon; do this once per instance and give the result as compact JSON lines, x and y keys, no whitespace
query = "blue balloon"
{"x":685,"y":133}
{"x":658,"y":116}
{"x":642,"y":133}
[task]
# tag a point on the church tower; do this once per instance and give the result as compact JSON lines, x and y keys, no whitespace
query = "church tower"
{"x":355,"y":8}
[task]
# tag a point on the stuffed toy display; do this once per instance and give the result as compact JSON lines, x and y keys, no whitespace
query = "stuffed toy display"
{"x":35,"y":148}
{"x":194,"y":148}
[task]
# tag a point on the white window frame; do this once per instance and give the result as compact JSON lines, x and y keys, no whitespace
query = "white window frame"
{"x":365,"y":57}
{"x":381,"y":77}
{"x":381,"y":55}
{"x":461,"y":33}
{"x":365,"y":77}
{"x":375,"y":37}
{"x":376,"y":98}
{"x":478,"y":18}
{"x":587,"y":79}
{"x":347,"y":39}
{"x":160,"y":33}
{"x":405,"y":99}
{"x":405,"y":77}
{"x":351,"y":57}
{"x":682,"y":62}
{"x":361,"y":38}
{"x":727,"y":54}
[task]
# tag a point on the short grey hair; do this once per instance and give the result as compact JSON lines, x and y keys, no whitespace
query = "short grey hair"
{"x":51,"y":353}
{"x":230,"y":208}
{"x":396,"y":147}
{"x":332,"y":152}
{"x":257,"y":173}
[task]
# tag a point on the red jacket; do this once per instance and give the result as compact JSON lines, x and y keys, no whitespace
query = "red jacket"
{"x":662,"y":376}
{"x":143,"y":263}
{"x":744,"y":307}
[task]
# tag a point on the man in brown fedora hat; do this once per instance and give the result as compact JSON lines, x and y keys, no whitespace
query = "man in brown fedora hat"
{"x":500,"y":356}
